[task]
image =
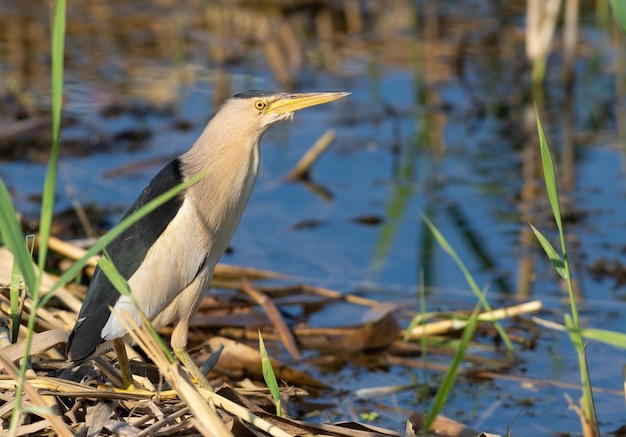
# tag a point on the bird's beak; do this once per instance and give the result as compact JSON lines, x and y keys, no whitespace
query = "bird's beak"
{"x":294,"y":102}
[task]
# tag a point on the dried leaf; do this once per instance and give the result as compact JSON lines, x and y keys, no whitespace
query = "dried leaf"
{"x":238,"y":356}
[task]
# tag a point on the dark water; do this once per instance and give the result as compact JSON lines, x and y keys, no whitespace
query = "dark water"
{"x":440,"y":122}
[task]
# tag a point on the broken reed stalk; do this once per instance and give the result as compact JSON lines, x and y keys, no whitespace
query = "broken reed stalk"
{"x":69,"y":250}
{"x":348,"y":297}
{"x":268,"y":305}
{"x":445,"y":326}
{"x":301,"y":170}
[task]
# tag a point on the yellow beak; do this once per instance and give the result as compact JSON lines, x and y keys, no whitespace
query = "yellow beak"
{"x":295,"y":102}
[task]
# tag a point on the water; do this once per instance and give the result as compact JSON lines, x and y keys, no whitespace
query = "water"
{"x":439,"y":125}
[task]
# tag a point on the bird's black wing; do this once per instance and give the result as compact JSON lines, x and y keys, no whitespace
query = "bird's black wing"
{"x":127,"y":252}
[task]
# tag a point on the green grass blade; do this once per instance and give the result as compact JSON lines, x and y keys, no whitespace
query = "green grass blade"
{"x":47,"y":202}
{"x":470,"y":280}
{"x":448,"y":382}
{"x":554,"y":257}
{"x":113,"y":275}
{"x":549,"y":174}
{"x":619,"y":10}
{"x":269,"y":376}
{"x":571,"y":321}
{"x":14,"y":239}
{"x":14,"y":294}
{"x":612,"y":338}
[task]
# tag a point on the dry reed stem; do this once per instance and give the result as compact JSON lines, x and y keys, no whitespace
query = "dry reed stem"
{"x":541,"y":19}
{"x":548,"y":324}
{"x":230,"y":272}
{"x":446,"y":326}
{"x":589,"y":429}
{"x":62,"y":387}
{"x":27,"y":430}
{"x":284,"y":333}
{"x":69,"y":250}
{"x":303,"y":166}
{"x":352,"y":298}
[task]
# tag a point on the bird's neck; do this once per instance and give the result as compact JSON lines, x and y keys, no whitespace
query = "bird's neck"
{"x":230,"y":164}
{"x":223,"y":150}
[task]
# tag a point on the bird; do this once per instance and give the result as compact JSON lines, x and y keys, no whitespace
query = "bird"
{"x":168,"y":256}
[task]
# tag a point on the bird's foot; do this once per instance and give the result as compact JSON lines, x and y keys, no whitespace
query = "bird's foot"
{"x":133,"y":390}
{"x":194,"y":371}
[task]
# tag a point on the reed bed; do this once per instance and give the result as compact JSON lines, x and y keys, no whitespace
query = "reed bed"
{"x":88,"y":399}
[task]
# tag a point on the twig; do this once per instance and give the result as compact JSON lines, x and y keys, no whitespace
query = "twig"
{"x":69,"y":250}
{"x":303,"y":166}
{"x":352,"y":298}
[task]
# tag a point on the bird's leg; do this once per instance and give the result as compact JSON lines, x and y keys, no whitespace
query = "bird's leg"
{"x":179,"y":344}
{"x":122,"y":358}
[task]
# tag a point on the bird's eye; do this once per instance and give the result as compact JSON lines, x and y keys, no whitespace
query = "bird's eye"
{"x":260,"y":104}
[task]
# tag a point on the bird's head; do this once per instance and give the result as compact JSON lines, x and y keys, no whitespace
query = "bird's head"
{"x":242,"y":119}
{"x":262,"y":109}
